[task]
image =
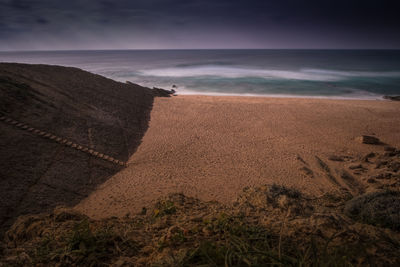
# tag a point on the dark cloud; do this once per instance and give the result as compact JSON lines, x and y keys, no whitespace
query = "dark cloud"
{"x":42,"y":21}
{"x":96,"y":24}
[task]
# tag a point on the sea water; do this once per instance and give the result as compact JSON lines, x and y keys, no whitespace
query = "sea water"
{"x":362,"y":74}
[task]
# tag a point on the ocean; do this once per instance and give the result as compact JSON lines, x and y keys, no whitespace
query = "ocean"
{"x":359,"y":74}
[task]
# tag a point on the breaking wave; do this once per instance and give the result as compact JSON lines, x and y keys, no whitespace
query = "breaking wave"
{"x":240,"y":72}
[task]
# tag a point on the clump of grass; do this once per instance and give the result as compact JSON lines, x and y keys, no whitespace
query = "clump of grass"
{"x":84,"y":246}
{"x":45,"y":250}
{"x":164,"y":207}
{"x":278,"y":190}
{"x":87,"y":246}
{"x":234,"y":242}
{"x":316,"y":253}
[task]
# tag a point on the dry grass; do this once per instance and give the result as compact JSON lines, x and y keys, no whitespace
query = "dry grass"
{"x":267,"y":226}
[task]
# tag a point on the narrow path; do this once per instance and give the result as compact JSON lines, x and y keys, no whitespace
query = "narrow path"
{"x":60,"y":140}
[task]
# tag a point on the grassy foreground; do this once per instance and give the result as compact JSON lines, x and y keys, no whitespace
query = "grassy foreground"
{"x":266,"y":226}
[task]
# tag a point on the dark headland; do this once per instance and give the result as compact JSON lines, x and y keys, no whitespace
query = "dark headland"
{"x":38,"y":173}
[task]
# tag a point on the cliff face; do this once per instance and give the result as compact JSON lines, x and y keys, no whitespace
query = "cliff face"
{"x":37,"y":174}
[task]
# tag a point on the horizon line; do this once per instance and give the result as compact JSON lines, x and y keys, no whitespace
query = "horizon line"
{"x":191,"y":49}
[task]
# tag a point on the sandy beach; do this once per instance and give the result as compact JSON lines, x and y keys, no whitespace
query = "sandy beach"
{"x":211,"y":147}
{"x":204,"y":133}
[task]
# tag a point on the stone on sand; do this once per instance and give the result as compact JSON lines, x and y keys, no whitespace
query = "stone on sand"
{"x":367,"y":139}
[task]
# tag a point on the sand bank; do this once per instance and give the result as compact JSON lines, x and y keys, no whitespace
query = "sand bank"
{"x":211,"y":147}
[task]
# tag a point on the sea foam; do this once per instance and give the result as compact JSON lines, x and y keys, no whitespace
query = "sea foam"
{"x":239,"y":72}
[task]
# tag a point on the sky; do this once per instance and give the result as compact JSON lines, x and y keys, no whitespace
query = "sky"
{"x":198,"y":24}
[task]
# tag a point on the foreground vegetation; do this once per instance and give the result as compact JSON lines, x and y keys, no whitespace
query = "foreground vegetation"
{"x":267,"y":226}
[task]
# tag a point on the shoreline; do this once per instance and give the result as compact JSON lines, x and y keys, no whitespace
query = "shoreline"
{"x":196,"y":93}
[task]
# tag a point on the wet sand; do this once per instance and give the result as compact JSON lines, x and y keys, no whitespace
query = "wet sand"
{"x":211,"y":147}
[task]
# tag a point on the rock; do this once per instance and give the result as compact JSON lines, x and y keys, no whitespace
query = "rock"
{"x":393,"y":98}
{"x":160,"y":92}
{"x":371,"y":181}
{"x":367,"y":139}
{"x":380,"y":208}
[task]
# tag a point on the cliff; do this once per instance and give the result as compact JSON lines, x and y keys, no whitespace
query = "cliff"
{"x":83,"y":110}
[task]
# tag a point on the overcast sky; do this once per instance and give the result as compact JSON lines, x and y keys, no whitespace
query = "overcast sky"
{"x":176,"y":24}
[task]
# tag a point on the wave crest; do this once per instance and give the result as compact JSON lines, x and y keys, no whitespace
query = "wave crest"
{"x":240,"y":72}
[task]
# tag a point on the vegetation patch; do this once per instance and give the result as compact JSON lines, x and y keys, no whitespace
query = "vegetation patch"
{"x":267,"y":226}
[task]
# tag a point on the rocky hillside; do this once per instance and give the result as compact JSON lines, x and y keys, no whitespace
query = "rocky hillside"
{"x":84,"y":109}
